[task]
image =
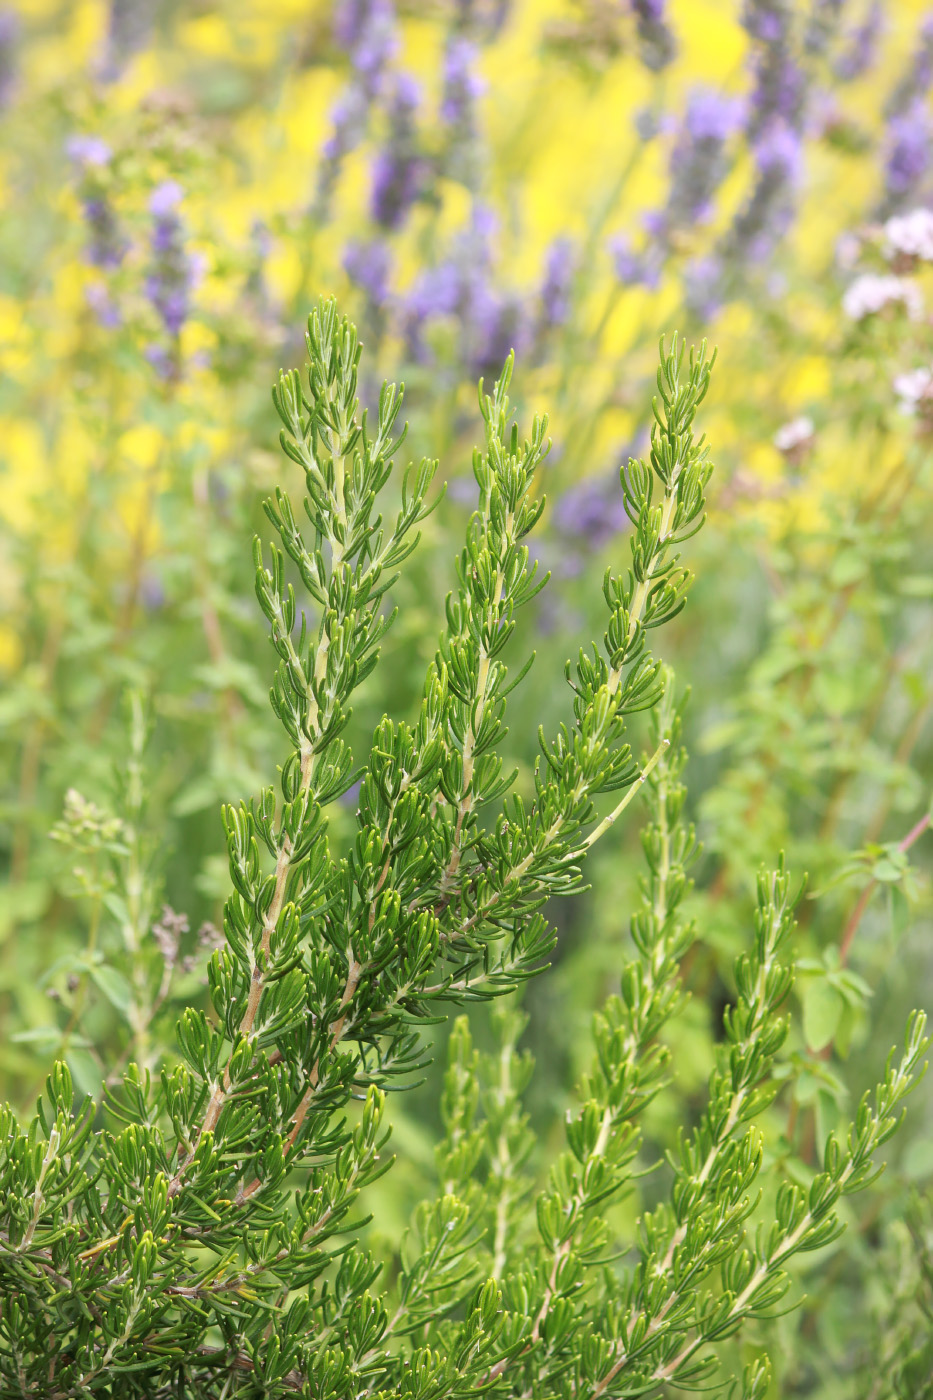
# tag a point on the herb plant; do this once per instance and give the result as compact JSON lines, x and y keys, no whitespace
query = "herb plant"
{"x":205,"y":1238}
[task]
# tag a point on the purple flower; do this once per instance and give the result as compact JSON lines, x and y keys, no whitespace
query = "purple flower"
{"x":780,"y":87}
{"x":106,"y":245}
{"x":822,"y":24}
{"x":631,"y":268}
{"x":398,"y":168}
{"x":87,"y":150}
{"x":462,"y":87}
{"x":107,"y":248}
{"x":162,"y":362}
{"x":367,"y":30}
{"x":657,"y":45}
{"x":174,"y":272}
{"x":907,"y":155}
{"x":490,"y":323}
{"x":557,"y":284}
{"x":165,"y":198}
{"x":862,"y":48}
{"x":351,"y":797}
{"x":592,"y":510}
{"x":703,"y":278}
{"x":779,"y":153}
{"x":918,"y":78}
{"x":769,"y":211}
{"x":698,"y":160}
{"x":152,"y":591}
{"x":105,"y":310}
{"x":462,"y":84}
{"x":766,"y":20}
{"x":368,"y":265}
{"x":435,"y":293}
{"x":348,"y":115}
{"x":711,"y":116}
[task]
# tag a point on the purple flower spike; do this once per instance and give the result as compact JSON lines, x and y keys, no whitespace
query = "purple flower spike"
{"x":631,"y":268}
{"x":490,"y":323}
{"x":711,"y":116}
{"x":558,"y":281}
{"x":107,"y":248}
{"x":703,"y":286}
{"x":369,"y":265}
{"x":657,"y":45}
{"x":779,"y":153}
{"x":592,"y":511}
{"x":106,"y":312}
{"x":461,"y":159}
{"x":918,"y":78}
{"x":398,"y":168}
{"x":174,"y":272}
{"x":462,"y":84}
{"x":698,"y":161}
{"x":862,"y":49}
{"x":367,"y":30}
{"x":766,"y":20}
{"x":908,"y":151}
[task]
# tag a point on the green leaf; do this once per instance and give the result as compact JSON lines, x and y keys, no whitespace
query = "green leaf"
{"x":114,"y":986}
{"x":822,"y":1007}
{"x":848,"y":567}
{"x":22,"y":903}
{"x":888,"y":871}
{"x":918,"y":1159}
{"x":916,"y":585}
{"x":45,"y":1037}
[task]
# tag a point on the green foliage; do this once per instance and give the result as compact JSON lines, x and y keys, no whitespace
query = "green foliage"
{"x":201,"y":1233}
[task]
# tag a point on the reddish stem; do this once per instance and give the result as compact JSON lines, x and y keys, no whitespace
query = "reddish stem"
{"x":855,"y":918}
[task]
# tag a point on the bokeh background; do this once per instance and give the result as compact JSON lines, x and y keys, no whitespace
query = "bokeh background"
{"x":180,"y":182}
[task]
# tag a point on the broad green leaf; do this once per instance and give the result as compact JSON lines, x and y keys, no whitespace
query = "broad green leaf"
{"x":822,"y":1007}
{"x":114,"y":986}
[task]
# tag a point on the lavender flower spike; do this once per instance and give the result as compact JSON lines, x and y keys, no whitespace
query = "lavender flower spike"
{"x":557,"y":283}
{"x":631,"y":268}
{"x":462,"y":88}
{"x":174,"y":271}
{"x":907,"y":158}
{"x":698,"y":161}
{"x":862,"y":49}
{"x":398,"y":168}
{"x":657,"y":45}
{"x":106,"y":246}
{"x":918,"y":79}
{"x":369,"y":265}
{"x":367,"y":30}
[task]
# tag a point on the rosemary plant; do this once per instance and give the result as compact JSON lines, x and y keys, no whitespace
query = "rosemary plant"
{"x":203,"y":1240}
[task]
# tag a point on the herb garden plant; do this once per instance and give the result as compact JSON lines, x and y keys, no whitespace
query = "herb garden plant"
{"x":202,"y":1234}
